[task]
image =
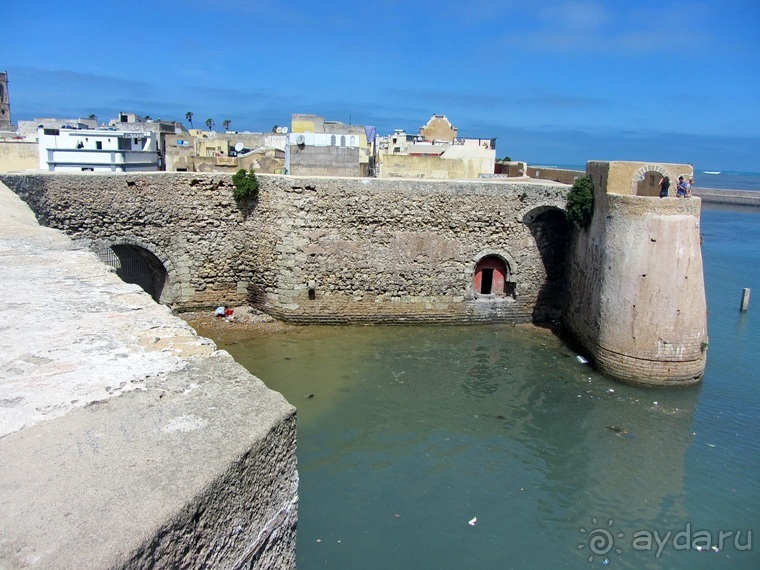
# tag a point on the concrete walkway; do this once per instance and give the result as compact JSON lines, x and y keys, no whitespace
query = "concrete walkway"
{"x":125,"y":439}
{"x":728,"y":197}
{"x":69,"y":328}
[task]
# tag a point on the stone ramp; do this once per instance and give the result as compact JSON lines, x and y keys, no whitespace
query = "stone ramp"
{"x":125,"y":439}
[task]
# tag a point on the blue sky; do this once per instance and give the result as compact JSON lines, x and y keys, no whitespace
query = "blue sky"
{"x":557,"y":82}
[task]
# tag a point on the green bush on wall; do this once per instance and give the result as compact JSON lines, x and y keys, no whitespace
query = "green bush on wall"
{"x":246,"y":184}
{"x":580,"y":202}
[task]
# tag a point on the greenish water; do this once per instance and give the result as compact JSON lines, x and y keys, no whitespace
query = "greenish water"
{"x":405,"y":434}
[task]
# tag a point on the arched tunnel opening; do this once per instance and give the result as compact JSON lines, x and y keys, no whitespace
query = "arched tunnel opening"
{"x":553,"y":234}
{"x":137,"y":265}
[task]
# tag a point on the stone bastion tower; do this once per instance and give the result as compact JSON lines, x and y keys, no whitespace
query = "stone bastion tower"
{"x":637,"y":297}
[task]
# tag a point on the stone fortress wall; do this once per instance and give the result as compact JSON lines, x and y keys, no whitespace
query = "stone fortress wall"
{"x":342,"y":250}
{"x":390,"y":251}
{"x":309,"y":250}
{"x":326,"y":249}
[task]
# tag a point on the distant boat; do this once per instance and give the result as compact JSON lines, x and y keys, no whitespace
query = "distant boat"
{"x":711,"y":172}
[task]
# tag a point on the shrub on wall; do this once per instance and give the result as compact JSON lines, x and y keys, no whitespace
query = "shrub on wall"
{"x":580,"y":201}
{"x":246,"y":184}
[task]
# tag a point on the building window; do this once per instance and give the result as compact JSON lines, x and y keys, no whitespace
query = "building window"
{"x":342,"y":140}
{"x":332,"y":140}
{"x":99,"y":145}
{"x":352,"y":141}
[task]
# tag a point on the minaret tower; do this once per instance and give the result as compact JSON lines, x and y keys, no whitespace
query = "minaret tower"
{"x":5,"y":102}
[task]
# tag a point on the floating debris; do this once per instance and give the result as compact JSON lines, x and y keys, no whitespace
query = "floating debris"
{"x":472,"y":521}
{"x":580,"y":359}
{"x":620,"y":431}
{"x":498,"y":417}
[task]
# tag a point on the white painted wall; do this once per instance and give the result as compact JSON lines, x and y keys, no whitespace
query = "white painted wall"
{"x":76,"y":150}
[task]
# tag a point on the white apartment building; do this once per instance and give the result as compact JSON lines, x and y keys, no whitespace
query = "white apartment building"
{"x":105,"y":150}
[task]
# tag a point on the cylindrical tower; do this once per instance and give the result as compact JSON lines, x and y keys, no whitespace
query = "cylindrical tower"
{"x":637,"y":298}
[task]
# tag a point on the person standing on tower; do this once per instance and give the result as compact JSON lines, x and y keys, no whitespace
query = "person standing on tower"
{"x":664,"y":185}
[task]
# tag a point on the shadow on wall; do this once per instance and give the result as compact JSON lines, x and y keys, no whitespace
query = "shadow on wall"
{"x":553,"y":233}
{"x":650,"y":184}
{"x":137,"y":265}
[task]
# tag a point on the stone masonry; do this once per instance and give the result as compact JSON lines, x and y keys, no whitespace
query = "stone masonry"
{"x":126,"y":440}
{"x":638,"y":299}
{"x":370,"y":250}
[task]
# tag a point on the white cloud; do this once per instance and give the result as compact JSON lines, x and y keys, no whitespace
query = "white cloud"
{"x":589,"y":26}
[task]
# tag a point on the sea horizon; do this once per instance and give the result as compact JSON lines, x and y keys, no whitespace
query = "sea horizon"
{"x":716,"y":179}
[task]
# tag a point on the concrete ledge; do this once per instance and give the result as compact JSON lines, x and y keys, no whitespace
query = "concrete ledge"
{"x":730,"y":197}
{"x":126,"y":440}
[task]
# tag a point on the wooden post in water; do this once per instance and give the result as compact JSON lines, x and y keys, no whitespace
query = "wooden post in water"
{"x":745,"y":300}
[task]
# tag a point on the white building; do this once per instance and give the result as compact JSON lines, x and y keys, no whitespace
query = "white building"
{"x":77,"y":150}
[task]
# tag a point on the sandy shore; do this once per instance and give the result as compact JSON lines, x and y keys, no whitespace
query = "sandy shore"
{"x":248,"y":323}
{"x":245,"y":323}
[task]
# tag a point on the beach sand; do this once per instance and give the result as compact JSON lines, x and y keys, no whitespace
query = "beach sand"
{"x":245,"y":323}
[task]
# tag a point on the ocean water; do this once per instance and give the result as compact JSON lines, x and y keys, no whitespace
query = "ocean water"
{"x":494,"y":447}
{"x":727,"y":180}
{"x":717,"y":179}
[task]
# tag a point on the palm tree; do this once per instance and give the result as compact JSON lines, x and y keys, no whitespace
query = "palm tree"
{"x":189,"y":117}
{"x":210,"y":123}
{"x":226,"y":124}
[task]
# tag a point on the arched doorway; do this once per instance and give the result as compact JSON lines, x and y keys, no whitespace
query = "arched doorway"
{"x":649,"y":185}
{"x":492,"y":277}
{"x":137,"y":265}
{"x":646,"y":180}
